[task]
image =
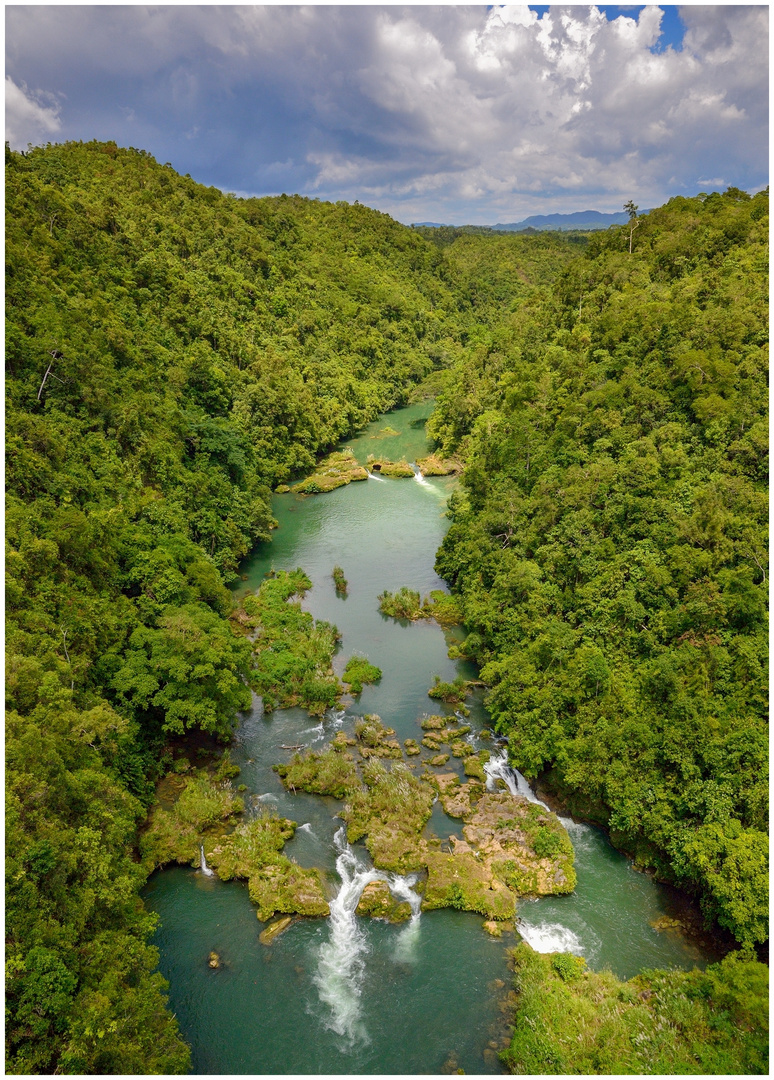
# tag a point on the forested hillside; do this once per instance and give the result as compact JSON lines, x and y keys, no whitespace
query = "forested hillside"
{"x":172,"y":354}
{"x":610,"y":544}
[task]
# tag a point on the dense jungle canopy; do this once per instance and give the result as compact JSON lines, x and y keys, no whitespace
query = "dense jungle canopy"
{"x":174,"y":353}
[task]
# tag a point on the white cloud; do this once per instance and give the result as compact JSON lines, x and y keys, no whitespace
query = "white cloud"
{"x":31,"y":116}
{"x":484,"y":111}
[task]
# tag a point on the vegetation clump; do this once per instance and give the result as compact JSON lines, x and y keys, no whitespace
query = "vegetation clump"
{"x":375,"y":739}
{"x":176,"y":832}
{"x":293,"y":651}
{"x":664,"y":1023}
{"x":339,"y":581}
{"x":407,"y":604}
{"x":359,"y":671}
{"x":452,"y":693}
{"x":327,"y":772}
{"x":432,"y":465}
{"x":404,"y":604}
{"x":385,"y":467}
{"x":336,"y":470}
{"x":390,"y":811}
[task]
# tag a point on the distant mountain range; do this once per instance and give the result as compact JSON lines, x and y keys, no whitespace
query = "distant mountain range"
{"x":582,"y":219}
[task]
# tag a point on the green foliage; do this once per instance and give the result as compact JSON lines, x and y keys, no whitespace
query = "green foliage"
{"x":608,"y":543}
{"x":187,"y":672}
{"x":292,"y":651}
{"x":325,"y":773}
{"x":172,"y":354}
{"x":339,"y":581}
{"x":359,"y":671}
{"x":453,"y":693}
{"x":572,"y":1020}
{"x":404,"y":604}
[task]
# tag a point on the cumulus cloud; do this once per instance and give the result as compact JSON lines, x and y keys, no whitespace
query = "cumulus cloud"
{"x":455,"y":113}
{"x":30,"y":116}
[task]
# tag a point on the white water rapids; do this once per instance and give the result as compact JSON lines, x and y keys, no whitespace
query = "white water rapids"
{"x":341,"y":967}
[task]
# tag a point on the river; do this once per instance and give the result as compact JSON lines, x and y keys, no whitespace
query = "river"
{"x":351,"y":995}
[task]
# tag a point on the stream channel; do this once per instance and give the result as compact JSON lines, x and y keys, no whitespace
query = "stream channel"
{"x":357,"y":995}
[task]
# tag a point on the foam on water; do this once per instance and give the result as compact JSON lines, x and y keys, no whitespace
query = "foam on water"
{"x":551,"y":937}
{"x":341,"y":965}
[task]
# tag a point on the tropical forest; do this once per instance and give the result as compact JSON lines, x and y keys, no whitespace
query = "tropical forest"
{"x":386,"y":629}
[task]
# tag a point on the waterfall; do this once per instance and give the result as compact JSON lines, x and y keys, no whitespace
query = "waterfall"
{"x":373,"y":476}
{"x":341,"y":966}
{"x":497,"y":768}
{"x":204,"y":867}
{"x":419,"y":477}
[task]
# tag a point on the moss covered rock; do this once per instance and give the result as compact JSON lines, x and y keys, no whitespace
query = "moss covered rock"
{"x":283,"y":886}
{"x":377,"y":901}
{"x":390,"y":811}
{"x":526,"y":845}
{"x":461,"y":881}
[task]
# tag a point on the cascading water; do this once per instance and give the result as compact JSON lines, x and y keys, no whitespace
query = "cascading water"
{"x":419,"y":477}
{"x":341,"y":965}
{"x":497,"y":768}
{"x":406,"y":945}
{"x":342,"y":968}
{"x":542,"y":936}
{"x":204,"y":867}
{"x":373,"y":476}
{"x":550,"y":937}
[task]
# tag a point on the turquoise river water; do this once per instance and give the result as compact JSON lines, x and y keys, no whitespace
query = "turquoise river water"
{"x":352,"y":995}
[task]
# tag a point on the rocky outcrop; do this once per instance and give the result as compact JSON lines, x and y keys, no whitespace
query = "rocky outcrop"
{"x":377,"y":901}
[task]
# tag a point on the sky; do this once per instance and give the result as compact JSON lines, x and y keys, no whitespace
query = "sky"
{"x":447,"y":113}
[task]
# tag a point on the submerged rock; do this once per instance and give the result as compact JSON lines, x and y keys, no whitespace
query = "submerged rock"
{"x":274,"y":929}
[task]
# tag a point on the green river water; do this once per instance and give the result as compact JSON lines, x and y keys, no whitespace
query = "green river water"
{"x":351,"y":995}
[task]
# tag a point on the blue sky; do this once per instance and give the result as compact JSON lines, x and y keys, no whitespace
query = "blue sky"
{"x":447,"y":113}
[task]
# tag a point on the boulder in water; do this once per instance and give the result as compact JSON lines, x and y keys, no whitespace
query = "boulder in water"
{"x":377,"y":901}
{"x":274,"y":929}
